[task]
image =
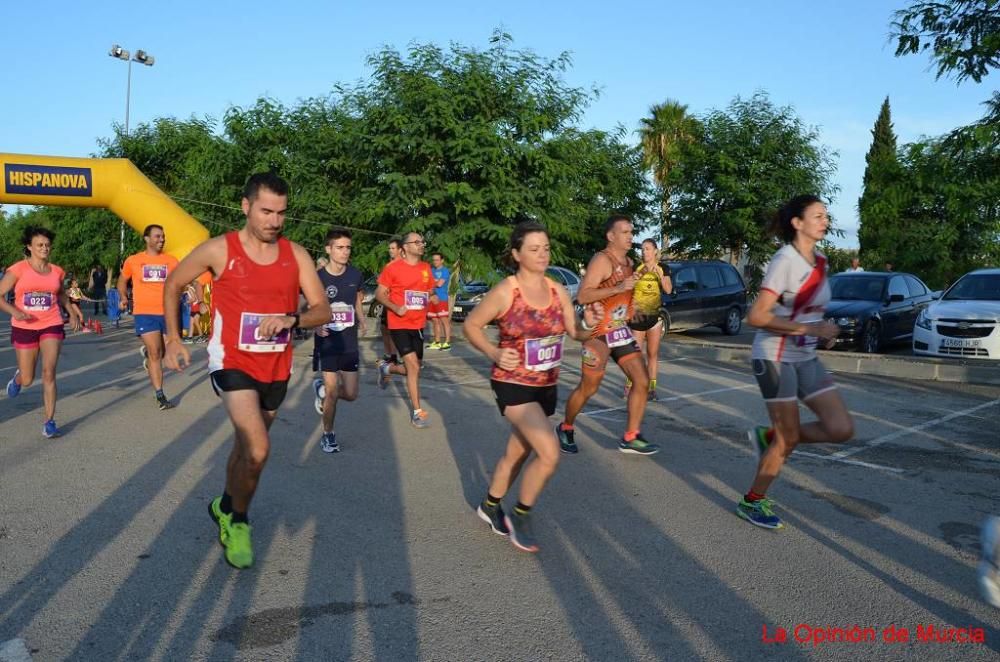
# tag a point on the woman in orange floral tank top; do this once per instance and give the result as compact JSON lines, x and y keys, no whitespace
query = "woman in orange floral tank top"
{"x":533,"y":314}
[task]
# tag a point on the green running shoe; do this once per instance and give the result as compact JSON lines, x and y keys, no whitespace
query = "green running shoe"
{"x":638,"y":446}
{"x":239,"y":550}
{"x":759,"y":513}
{"x":223,"y":520}
{"x":234,"y":538}
{"x":567,"y":443}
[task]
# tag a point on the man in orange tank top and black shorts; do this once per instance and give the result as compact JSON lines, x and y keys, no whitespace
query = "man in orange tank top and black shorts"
{"x":258,"y":275}
{"x":609,"y":279}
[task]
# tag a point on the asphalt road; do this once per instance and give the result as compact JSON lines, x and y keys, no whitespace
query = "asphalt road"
{"x":107,"y":551}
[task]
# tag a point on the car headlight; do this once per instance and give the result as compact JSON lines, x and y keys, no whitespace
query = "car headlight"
{"x":924,"y":320}
{"x":846,"y":321}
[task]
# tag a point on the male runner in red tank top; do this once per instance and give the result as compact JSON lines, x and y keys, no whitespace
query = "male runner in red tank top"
{"x":609,"y":279}
{"x":258,"y":275}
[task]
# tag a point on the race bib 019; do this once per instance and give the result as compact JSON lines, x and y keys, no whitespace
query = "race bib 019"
{"x":543,"y":353}
{"x":619,"y":337}
{"x":154,"y":273}
{"x":414,"y":300}
{"x":36,"y":302}
{"x":341,"y":316}
{"x":251,"y":340}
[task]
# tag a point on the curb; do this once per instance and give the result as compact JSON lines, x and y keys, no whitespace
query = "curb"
{"x":909,"y":367}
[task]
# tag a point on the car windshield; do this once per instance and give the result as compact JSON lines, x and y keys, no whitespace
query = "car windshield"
{"x":975,"y":287}
{"x":856,"y":288}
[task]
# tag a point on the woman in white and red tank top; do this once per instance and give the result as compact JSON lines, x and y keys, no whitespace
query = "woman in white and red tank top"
{"x":533,"y":314}
{"x":789,"y":317}
{"x":244,"y":293}
{"x":36,"y":322}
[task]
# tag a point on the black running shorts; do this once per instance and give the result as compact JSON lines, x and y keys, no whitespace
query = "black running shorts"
{"x":271,"y":394}
{"x":509,"y":395}
{"x":408,"y":341}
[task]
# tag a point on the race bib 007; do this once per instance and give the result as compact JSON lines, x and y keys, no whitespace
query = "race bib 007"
{"x":543,"y":353}
{"x":251,"y":340}
{"x":36,"y":302}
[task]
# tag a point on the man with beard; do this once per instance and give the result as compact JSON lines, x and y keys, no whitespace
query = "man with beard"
{"x":148,"y":272}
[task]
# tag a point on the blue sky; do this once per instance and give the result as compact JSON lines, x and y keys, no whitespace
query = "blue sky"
{"x":831,"y":61}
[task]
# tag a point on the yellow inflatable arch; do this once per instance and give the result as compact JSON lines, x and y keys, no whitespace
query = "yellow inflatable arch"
{"x":114,"y":184}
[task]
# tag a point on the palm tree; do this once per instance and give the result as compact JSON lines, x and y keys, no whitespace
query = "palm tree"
{"x":663,"y":135}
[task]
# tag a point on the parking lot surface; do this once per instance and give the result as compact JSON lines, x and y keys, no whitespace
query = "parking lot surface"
{"x":107,"y":552}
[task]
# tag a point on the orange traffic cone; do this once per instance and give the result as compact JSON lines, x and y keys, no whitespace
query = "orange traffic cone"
{"x":98,"y":327}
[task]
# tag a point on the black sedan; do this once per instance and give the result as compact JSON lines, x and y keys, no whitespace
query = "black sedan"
{"x":874,"y":308}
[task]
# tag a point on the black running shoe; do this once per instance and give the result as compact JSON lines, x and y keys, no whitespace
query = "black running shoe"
{"x":566,"y":441}
{"x":494,"y":516}
{"x":163,"y":403}
{"x":521,"y":533}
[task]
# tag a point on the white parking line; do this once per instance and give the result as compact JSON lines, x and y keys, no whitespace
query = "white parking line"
{"x":857,"y":463}
{"x":892,"y":436}
{"x":686,"y":396}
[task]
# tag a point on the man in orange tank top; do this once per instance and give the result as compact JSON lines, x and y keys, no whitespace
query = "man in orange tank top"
{"x":258,"y":275}
{"x":609,"y":279}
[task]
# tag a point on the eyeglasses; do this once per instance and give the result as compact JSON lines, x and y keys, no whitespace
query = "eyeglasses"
{"x":418,"y":242}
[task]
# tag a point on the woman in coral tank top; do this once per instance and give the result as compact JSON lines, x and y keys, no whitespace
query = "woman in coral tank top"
{"x":533,"y":314}
{"x":36,"y":321}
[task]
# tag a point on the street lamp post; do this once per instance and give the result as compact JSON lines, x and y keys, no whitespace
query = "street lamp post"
{"x":141,"y":57}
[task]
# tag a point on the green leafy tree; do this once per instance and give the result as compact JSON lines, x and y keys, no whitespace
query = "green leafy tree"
{"x":460,"y":144}
{"x":961,"y":36}
{"x":663,"y":136}
{"x":879,"y":206}
{"x":950,"y":203}
{"x":751,"y":158}
{"x":456,"y":143}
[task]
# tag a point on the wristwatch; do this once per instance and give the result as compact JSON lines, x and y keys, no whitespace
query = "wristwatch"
{"x":295,"y":317}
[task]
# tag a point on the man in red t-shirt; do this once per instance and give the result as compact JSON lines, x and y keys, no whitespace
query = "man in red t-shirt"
{"x":404,"y":288}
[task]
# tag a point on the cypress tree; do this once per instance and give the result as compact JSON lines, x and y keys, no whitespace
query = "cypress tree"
{"x":878,"y":210}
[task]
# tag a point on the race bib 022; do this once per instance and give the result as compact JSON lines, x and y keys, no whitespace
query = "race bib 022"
{"x":36,"y":302}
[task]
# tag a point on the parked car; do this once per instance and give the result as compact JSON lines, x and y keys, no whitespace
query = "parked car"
{"x":965,"y":321}
{"x":470,"y":294}
{"x":874,"y":308}
{"x":368,"y":288}
{"x":708,"y":293}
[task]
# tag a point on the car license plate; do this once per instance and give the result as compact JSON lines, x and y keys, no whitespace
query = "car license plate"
{"x":456,"y":309}
{"x":961,"y":342}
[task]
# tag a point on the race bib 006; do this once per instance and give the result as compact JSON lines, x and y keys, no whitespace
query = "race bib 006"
{"x":251,"y":340}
